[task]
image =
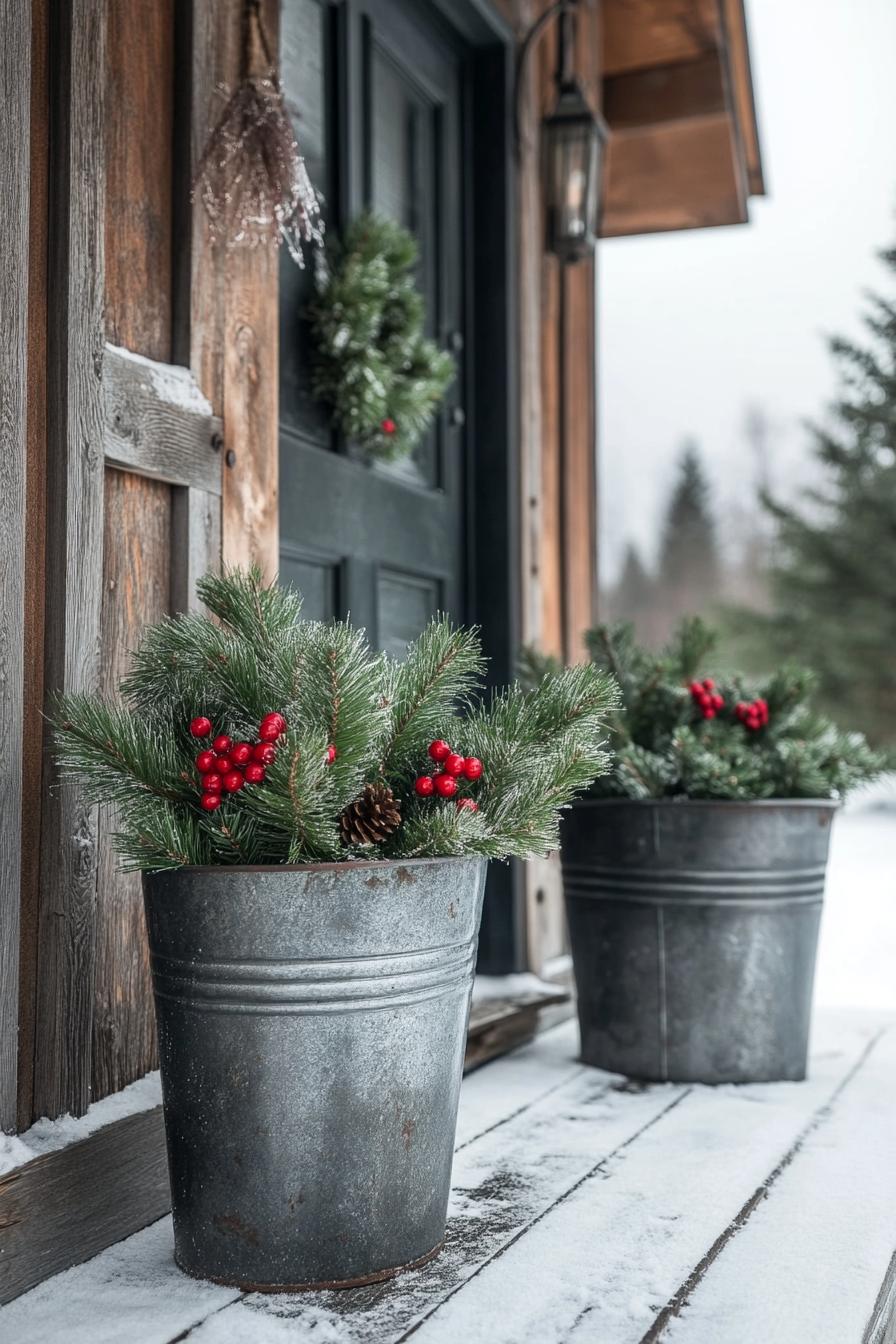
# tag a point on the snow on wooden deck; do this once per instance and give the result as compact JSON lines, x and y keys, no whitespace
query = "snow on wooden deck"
{"x":585,"y":1208}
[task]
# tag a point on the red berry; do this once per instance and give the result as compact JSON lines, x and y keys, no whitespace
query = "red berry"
{"x":709,"y":713}
{"x":424,"y":786}
{"x":268,"y":731}
{"x":205,"y":761}
{"x":211,"y":783}
{"x":473,"y":767}
{"x":211,"y":801}
{"x":453,"y":764}
{"x":254,"y":773}
{"x":264,"y":753}
{"x":332,"y":753}
{"x":445,"y":786}
{"x":740,"y":709}
{"x":716,"y":701}
{"x":241,"y":753}
{"x":233,"y":781}
{"x":277,"y":720}
{"x":200,"y":726}
{"x":387,"y":426}
{"x":467,"y":805}
{"x":223,"y":765}
{"x":708,"y":684}
{"x":222,"y":744}
{"x":438,"y":750}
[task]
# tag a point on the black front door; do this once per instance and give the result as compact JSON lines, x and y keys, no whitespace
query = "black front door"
{"x":375,"y":89}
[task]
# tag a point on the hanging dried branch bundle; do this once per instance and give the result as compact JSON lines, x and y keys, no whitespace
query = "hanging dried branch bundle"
{"x":251,"y":179}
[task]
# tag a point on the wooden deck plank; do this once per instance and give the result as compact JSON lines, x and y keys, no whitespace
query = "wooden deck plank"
{"x":581,"y":1206}
{"x":606,"y":1258}
{"x":822,"y":1244}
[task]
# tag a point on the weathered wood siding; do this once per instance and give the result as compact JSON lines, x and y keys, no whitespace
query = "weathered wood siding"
{"x":558,"y":439}
{"x":15,"y":63}
{"x":134,"y":475}
{"x":66,"y":930}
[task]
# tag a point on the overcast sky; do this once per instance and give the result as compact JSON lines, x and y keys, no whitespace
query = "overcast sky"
{"x":696,"y":326}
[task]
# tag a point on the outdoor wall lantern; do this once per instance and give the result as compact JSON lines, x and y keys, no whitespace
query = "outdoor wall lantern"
{"x":572,"y":143}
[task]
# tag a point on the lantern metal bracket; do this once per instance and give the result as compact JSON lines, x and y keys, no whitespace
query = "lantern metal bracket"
{"x":565,"y":10}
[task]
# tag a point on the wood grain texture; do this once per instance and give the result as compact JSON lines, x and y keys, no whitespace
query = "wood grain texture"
{"x":664,"y":93}
{"x":62,"y":1208}
{"x":139,"y":128}
{"x":153,"y":429}
{"x":233,"y":337}
{"x":15,"y":68}
{"x":147,"y":430}
{"x":74,"y":555}
{"x":579,"y":470}
{"x":35,"y":543}
{"x":136,"y":583}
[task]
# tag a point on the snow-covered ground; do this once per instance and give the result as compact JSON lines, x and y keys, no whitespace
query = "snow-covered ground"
{"x":857,"y":952}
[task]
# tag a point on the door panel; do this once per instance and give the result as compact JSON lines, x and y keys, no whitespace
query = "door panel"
{"x":382,"y":543}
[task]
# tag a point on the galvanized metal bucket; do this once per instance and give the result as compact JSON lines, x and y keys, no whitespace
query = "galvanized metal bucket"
{"x":311,"y":1023}
{"x":694,"y":927}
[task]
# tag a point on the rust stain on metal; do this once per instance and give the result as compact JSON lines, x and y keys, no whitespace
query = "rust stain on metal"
{"x":374,"y":881}
{"x":405,"y":876}
{"x":233,"y":1223}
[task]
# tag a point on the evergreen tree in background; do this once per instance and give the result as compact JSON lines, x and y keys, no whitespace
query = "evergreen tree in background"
{"x":633,"y":595}
{"x":689,"y":566}
{"x":834,"y":573}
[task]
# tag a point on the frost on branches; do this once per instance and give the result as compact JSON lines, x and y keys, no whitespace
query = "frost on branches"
{"x":685,"y":734}
{"x":373,"y":365}
{"x":320,"y":743}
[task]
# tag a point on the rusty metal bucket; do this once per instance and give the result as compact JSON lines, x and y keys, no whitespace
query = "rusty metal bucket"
{"x":311,"y":1024}
{"x":694,"y":928}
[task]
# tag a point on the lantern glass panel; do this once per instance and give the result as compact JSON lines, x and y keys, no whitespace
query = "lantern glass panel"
{"x":571,"y":145}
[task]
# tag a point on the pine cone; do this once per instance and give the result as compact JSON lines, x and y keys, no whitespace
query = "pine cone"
{"x":372,"y":817}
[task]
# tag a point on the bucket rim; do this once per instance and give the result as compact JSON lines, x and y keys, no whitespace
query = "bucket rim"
{"x":337,"y":866}
{"x":722,"y":803}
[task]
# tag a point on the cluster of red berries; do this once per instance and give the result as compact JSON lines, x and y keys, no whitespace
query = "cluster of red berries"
{"x":705,"y":695}
{"x":444,"y":784}
{"x":753,"y":715}
{"x":228,"y":766}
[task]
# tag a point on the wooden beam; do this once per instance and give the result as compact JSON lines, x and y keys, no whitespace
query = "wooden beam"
{"x":741,"y":81}
{"x":74,"y":556}
{"x":664,"y":93}
{"x":681,"y":176}
{"x":641,"y":33}
{"x":15,"y":101}
{"x":158,"y":423}
{"x":64,"y":1207}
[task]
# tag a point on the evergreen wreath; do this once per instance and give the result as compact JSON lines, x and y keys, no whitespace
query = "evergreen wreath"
{"x":314,"y":748}
{"x":372,"y":365}
{"x":683,"y":734}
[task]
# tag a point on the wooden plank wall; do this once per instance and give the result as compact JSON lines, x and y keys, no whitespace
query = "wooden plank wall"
{"x":66,"y":936}
{"x":137,"y":512}
{"x":234,"y":310}
{"x":132,"y":91}
{"x":15,"y":65}
{"x":558,"y":423}
{"x":35,"y":542}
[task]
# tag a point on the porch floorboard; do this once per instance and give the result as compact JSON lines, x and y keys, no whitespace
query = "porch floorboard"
{"x":587,"y":1208}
